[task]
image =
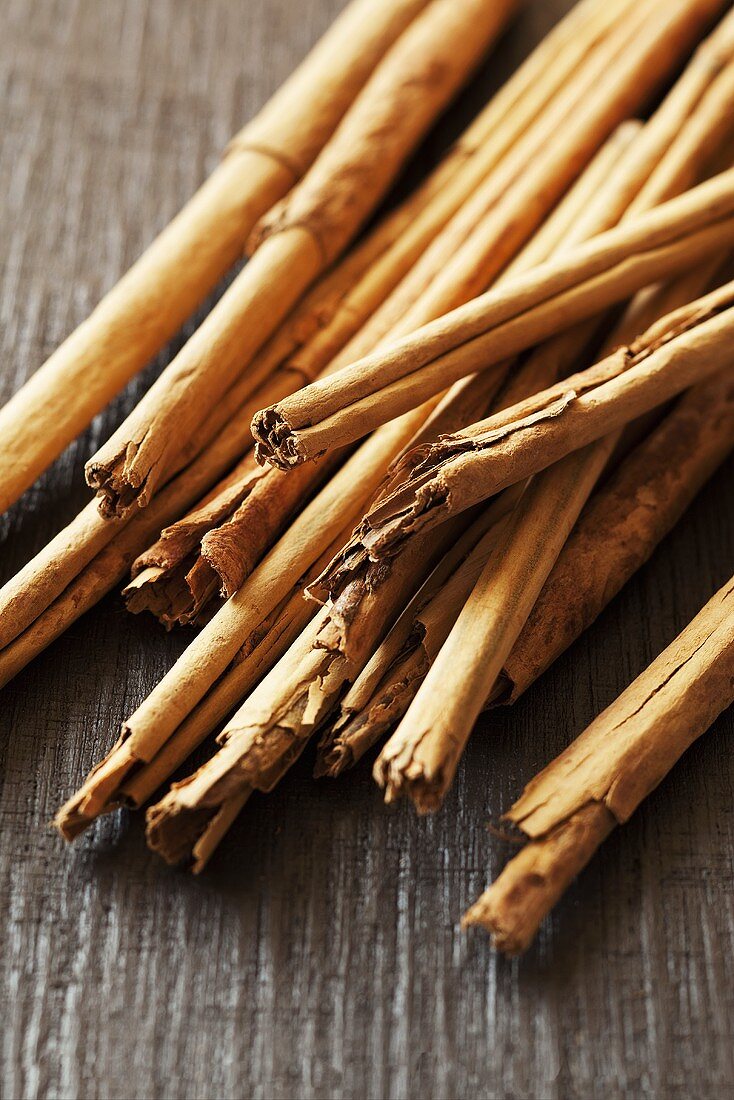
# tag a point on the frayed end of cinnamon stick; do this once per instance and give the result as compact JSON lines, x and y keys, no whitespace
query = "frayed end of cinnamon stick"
{"x":515,"y":905}
{"x":353,"y":735}
{"x":189,"y":836}
{"x":119,"y":484}
{"x":98,"y":795}
{"x":276,"y":443}
{"x":410,"y":780}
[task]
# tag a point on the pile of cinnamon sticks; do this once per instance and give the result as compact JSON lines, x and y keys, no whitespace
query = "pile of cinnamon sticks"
{"x":396,"y":472}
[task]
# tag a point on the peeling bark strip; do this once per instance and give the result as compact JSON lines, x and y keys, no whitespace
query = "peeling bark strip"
{"x":601,"y":779}
{"x":272,"y":727}
{"x":621,"y":526}
{"x":459,"y":471}
{"x":413,"y":82}
{"x":207,"y":658}
{"x":135,"y":319}
{"x":337,"y":410}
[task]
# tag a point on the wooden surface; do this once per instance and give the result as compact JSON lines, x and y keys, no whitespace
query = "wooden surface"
{"x":320,"y":956}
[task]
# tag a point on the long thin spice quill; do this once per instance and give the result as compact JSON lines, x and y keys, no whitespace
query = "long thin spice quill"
{"x":570,"y":808}
{"x":229,"y":547}
{"x":621,"y":526}
{"x":458,"y":471}
{"x":137,"y":316}
{"x":148,"y":729}
{"x":336,"y":410}
{"x":309,"y":681}
{"x":413,"y":82}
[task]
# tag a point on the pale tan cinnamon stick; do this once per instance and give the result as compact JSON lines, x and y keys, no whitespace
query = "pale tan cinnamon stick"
{"x":458,"y":471}
{"x":265,"y":645}
{"x":136,"y":318}
{"x":335,"y":410}
{"x":208,"y":656}
{"x":530,"y":105}
{"x":167,"y":574}
{"x":412,"y":83}
{"x":601,"y":779}
{"x":622,"y":525}
{"x":512,"y":201}
{"x":223,"y":437}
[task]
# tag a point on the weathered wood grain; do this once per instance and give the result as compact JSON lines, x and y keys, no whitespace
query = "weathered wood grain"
{"x":320,"y":957}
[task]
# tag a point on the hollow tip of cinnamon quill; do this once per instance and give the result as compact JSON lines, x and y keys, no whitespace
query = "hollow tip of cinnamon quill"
{"x":70,"y":821}
{"x":482,"y":915}
{"x":276,"y":443}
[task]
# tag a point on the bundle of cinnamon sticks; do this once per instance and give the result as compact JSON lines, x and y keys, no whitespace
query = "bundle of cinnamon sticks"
{"x":396,"y":472}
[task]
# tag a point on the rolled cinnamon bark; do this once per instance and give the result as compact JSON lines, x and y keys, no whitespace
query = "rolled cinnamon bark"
{"x":372,"y":312}
{"x":458,"y":471}
{"x":174,"y":579}
{"x":265,"y":645}
{"x":209,"y":655}
{"x":413,"y":82}
{"x":270,"y":730}
{"x":601,"y":779}
{"x":222,"y":439}
{"x":621,"y":526}
{"x":336,"y":410}
{"x":141,"y":313}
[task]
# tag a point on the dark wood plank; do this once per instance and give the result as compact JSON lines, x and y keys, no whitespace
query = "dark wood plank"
{"x":321,"y":955}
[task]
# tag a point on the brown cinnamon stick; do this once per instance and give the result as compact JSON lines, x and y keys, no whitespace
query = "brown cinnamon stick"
{"x":621,"y":526}
{"x":263,"y":647}
{"x":208,"y":656}
{"x":600,"y":780}
{"x":684,"y":347}
{"x":335,"y":410}
{"x":137,"y":316}
{"x":412,"y":83}
{"x":372,"y":312}
{"x":221,"y":440}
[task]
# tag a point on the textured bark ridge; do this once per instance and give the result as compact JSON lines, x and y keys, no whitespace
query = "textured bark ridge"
{"x":414,"y":81}
{"x":600,"y":780}
{"x":442,"y":478}
{"x":504,"y":321}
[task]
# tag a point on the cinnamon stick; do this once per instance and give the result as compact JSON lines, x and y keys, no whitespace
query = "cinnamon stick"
{"x":335,"y":410}
{"x":530,"y":105}
{"x":141,"y":313}
{"x":166,"y":575}
{"x":413,"y":82}
{"x":221,"y":440}
{"x":208,"y":656}
{"x":621,"y":526}
{"x":458,"y":471}
{"x":265,"y":645}
{"x":601,"y":779}
{"x":385,"y":687}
